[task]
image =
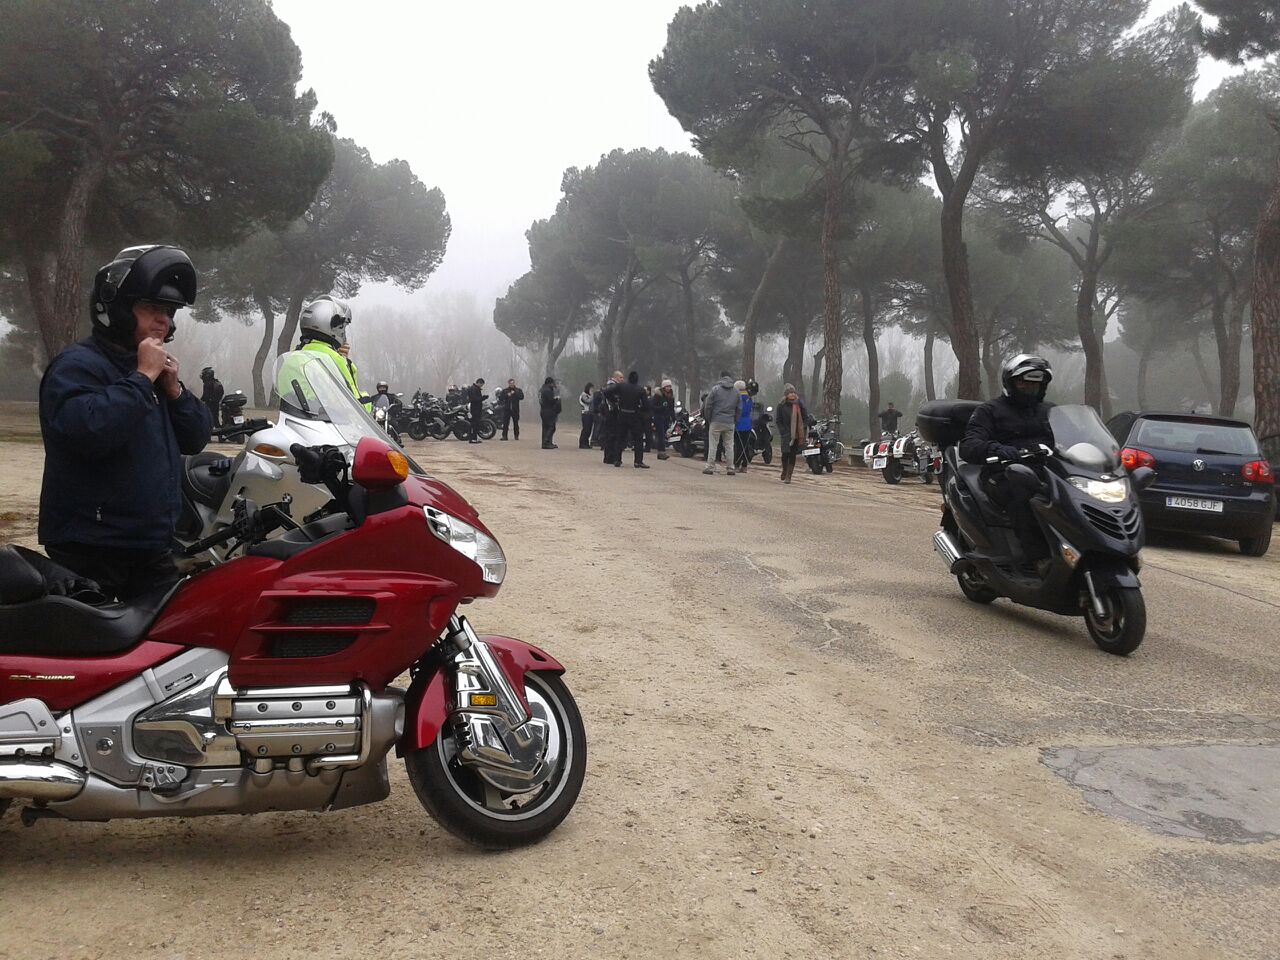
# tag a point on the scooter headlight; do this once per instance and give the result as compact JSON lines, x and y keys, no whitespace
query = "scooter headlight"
{"x":1108,"y":491}
{"x":470,"y":542}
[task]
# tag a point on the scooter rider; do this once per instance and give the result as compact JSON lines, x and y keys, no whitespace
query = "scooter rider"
{"x":115,"y":420}
{"x":1004,"y":427}
{"x":211,"y":395}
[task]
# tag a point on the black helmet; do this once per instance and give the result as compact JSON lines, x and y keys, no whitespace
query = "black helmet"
{"x":382,"y":386}
{"x":752,"y":387}
{"x":1030,"y":369}
{"x":156,"y":273}
{"x":206,"y":373}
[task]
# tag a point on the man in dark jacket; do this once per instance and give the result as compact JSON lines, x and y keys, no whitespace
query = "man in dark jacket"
{"x":510,"y":398}
{"x":889,"y":418}
{"x":1002,"y":428}
{"x":211,"y":395}
{"x":116,"y":420}
{"x":549,"y":410}
{"x":630,"y":421}
{"x":475,"y":396}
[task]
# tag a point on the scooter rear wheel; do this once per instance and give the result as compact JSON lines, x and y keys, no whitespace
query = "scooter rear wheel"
{"x":1121,"y":630}
{"x":974,"y":587}
{"x":474,"y":810}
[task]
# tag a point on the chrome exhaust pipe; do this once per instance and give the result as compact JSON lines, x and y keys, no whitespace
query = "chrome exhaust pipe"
{"x":49,"y":781}
{"x":946,"y":548}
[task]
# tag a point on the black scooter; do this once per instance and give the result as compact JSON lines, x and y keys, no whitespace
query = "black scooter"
{"x":1084,"y":503}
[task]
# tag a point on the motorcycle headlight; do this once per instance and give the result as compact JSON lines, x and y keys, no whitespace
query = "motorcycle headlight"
{"x":1108,"y":491}
{"x":470,"y":542}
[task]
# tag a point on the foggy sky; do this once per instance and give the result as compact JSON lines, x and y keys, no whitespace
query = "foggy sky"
{"x":491,"y":101}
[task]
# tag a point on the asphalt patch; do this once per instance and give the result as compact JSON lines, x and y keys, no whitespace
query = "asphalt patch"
{"x":1224,"y":793}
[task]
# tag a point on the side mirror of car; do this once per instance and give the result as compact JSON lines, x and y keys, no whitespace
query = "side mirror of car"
{"x":1142,"y":478}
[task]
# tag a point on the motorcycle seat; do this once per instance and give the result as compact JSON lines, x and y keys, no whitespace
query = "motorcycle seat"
{"x":970,"y":475}
{"x":295,"y":541}
{"x":38,"y":618}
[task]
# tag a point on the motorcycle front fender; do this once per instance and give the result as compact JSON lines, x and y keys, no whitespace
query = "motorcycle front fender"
{"x":428,"y":702}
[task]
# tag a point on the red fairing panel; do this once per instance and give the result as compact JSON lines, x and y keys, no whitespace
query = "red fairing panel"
{"x":67,"y":682}
{"x":428,"y":702}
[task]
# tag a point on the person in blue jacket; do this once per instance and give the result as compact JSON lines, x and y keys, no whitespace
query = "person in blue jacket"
{"x":743,"y":427}
{"x":116,"y":420}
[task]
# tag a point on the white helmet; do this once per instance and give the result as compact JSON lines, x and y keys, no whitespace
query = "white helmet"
{"x":326,"y":317}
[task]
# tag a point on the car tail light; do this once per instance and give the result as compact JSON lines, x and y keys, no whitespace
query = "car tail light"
{"x":1133,"y":458}
{"x":1259,"y":471}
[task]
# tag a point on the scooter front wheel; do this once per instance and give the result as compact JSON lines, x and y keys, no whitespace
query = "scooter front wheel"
{"x":473,"y":809}
{"x":1123,"y":624}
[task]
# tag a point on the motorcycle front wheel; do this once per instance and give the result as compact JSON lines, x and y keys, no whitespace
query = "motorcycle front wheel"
{"x":474,"y":810}
{"x":417,"y":430}
{"x":461,"y":429}
{"x":1121,"y":629}
{"x":893,"y":472}
{"x":486,"y":429}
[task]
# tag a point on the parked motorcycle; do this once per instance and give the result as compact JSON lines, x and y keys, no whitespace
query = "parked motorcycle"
{"x":451,"y":419}
{"x":266,"y":683}
{"x":898,"y":456}
{"x":688,"y":434}
{"x":1084,"y":504}
{"x":762,"y":436}
{"x":824,"y":447}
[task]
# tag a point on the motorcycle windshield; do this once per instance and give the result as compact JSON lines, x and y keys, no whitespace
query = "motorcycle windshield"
{"x":1081,"y":438}
{"x":310,"y":387}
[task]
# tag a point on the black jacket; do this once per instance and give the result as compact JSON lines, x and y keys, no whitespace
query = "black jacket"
{"x":889,"y":420}
{"x":782,"y":418}
{"x":211,"y":394}
{"x":548,"y":402}
{"x":510,"y":398}
{"x":112,"y":450}
{"x":475,"y":396}
{"x":629,"y":397}
{"x":1000,"y":428}
{"x":664,"y":407}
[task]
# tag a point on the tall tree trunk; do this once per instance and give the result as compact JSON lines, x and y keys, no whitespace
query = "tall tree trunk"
{"x":624,"y":313}
{"x":1230,"y":379}
{"x":1090,"y":342}
{"x":1209,"y":389}
{"x":817,"y":368}
{"x":930,"y":390}
{"x":753,"y":309}
{"x":832,"y":325}
{"x":1144,"y":366}
{"x":304,"y":286}
{"x":1228,"y":363}
{"x":873,"y":359}
{"x":964,"y":332}
{"x":797,"y":334}
{"x":57,"y":297}
{"x":264,"y":349}
{"x":1265,"y":321}
{"x":692,"y":373}
{"x":991,"y":369}
{"x":604,"y":343}
{"x":556,"y":345}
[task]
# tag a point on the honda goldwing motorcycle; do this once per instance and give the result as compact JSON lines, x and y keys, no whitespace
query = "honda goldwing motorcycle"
{"x":267,"y":682}
{"x":1083,"y":501}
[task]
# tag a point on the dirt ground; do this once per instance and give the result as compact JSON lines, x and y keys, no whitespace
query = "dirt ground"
{"x":804,"y":743}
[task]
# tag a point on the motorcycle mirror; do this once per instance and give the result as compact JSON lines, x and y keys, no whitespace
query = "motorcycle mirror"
{"x":377,"y":466}
{"x":1142,"y":478}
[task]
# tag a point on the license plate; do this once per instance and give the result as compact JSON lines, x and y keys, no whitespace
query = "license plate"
{"x":879,"y":463}
{"x":237,"y":419}
{"x":1194,"y":503}
{"x":811,"y":452}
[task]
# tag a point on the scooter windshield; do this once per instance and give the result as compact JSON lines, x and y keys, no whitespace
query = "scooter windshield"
{"x":1081,"y":438}
{"x":311,"y":387}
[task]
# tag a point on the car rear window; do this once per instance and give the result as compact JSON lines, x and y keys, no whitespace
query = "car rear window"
{"x":1192,"y":437}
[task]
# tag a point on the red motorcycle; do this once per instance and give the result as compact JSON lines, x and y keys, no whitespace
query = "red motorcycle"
{"x":266,"y":683}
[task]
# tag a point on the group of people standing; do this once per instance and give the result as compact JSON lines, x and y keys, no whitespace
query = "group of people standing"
{"x":623,"y":413}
